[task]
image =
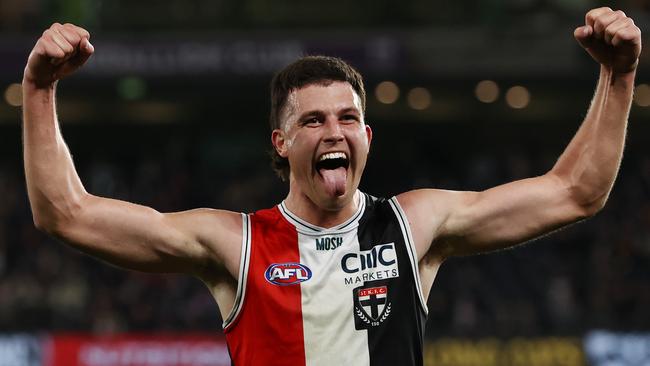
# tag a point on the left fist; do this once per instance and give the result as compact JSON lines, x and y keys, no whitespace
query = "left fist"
{"x":611,"y":38}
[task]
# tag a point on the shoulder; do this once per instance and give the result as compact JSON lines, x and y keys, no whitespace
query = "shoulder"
{"x":427,"y":211}
{"x":208,"y":219}
{"x":219,"y":232}
{"x":422,"y":199}
{"x":433,"y":206}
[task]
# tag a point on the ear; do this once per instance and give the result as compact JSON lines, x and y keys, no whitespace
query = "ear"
{"x":369,"y":134}
{"x":279,"y":141}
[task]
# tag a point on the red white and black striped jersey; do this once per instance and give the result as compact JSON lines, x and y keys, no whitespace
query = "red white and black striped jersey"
{"x":347,"y":295}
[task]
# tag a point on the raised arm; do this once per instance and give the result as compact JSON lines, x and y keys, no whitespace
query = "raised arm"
{"x":446,"y":223}
{"x":201,"y":242}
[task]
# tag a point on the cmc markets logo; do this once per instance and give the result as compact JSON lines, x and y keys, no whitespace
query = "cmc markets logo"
{"x":378,"y":263}
{"x":286,"y":274}
{"x":377,"y":257}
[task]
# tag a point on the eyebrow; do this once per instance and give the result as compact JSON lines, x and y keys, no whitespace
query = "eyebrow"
{"x":350,"y":109}
{"x":317,"y":112}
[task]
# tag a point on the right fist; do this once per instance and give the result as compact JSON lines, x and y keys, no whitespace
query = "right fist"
{"x":58,"y":53}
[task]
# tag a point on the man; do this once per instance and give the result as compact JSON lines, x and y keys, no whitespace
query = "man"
{"x":331,"y":276}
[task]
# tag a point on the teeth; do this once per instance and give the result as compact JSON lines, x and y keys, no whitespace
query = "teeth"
{"x":333,"y":155}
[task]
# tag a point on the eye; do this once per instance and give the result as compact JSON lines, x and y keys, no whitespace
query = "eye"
{"x":311,"y":121}
{"x":350,"y":118}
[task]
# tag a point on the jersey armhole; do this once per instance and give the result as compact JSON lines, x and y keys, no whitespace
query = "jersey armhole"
{"x":242,"y":276}
{"x":410,"y":248}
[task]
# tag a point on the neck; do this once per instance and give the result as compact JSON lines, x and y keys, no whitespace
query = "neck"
{"x":304,"y":207}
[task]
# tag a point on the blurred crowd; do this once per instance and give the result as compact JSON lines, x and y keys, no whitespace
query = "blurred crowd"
{"x":595,"y":274}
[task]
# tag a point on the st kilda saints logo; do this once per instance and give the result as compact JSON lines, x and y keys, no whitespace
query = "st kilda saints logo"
{"x":371,"y":306}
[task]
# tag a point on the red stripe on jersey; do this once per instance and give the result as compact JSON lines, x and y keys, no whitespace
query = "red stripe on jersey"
{"x":268,"y":330}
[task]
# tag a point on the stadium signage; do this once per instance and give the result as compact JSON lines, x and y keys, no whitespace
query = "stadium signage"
{"x":20,"y":350}
{"x":604,"y":348}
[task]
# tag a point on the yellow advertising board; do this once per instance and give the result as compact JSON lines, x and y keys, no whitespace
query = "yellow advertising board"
{"x":550,"y":351}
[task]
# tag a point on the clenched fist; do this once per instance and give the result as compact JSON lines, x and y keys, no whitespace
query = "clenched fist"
{"x":611,"y":38}
{"x":59,"y":52}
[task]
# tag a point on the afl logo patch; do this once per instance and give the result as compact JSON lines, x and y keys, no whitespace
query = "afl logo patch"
{"x":286,"y":274}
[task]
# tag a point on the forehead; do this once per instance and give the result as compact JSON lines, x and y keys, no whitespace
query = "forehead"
{"x":332,"y":97}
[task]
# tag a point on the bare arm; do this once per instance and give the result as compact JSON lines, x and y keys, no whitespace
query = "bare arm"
{"x":129,"y":235}
{"x":446,"y":223}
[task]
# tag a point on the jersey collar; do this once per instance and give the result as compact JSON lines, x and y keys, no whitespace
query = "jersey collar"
{"x":307,"y":228}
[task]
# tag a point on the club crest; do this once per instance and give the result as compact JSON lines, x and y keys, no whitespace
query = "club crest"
{"x":371,"y":306}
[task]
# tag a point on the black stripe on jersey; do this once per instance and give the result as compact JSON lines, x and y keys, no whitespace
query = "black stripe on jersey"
{"x":410,"y":247}
{"x":395,"y":338}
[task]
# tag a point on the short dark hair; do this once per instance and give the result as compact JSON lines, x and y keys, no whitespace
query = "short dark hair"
{"x":306,"y":71}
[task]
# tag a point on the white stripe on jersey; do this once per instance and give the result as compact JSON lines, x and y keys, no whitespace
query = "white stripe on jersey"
{"x":330,"y":337}
{"x":327,"y":305}
{"x":244,"y":261}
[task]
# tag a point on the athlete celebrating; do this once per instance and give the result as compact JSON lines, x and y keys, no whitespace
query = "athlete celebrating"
{"x":331,"y":275}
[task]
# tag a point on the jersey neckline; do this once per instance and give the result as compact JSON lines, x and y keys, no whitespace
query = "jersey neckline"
{"x":308,"y":228}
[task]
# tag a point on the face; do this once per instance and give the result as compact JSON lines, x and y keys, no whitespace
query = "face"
{"x":326,"y":141}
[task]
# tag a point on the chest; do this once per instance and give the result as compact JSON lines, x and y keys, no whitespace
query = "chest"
{"x":333,"y":275}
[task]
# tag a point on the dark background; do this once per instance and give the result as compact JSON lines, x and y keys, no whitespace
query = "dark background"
{"x":171,"y":112}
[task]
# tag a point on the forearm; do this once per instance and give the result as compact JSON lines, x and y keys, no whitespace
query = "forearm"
{"x":590,"y":163}
{"x":53,"y":186}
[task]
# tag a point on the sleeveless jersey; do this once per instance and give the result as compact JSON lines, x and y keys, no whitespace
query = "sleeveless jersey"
{"x":347,"y":295}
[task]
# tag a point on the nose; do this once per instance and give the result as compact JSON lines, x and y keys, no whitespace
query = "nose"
{"x":333,"y":132}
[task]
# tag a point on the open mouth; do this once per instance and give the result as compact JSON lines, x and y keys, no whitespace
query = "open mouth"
{"x":333,"y":169}
{"x":332,"y":161}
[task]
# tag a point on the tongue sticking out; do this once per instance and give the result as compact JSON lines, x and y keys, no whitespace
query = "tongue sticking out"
{"x":334,"y":180}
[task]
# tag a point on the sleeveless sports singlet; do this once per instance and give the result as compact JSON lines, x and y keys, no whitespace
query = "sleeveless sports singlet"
{"x":347,"y":295}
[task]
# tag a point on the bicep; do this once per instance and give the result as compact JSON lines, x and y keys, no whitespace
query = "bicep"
{"x":462,"y":223}
{"x":138,"y":237}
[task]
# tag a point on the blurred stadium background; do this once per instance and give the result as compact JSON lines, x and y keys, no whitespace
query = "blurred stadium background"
{"x":172,"y":110}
